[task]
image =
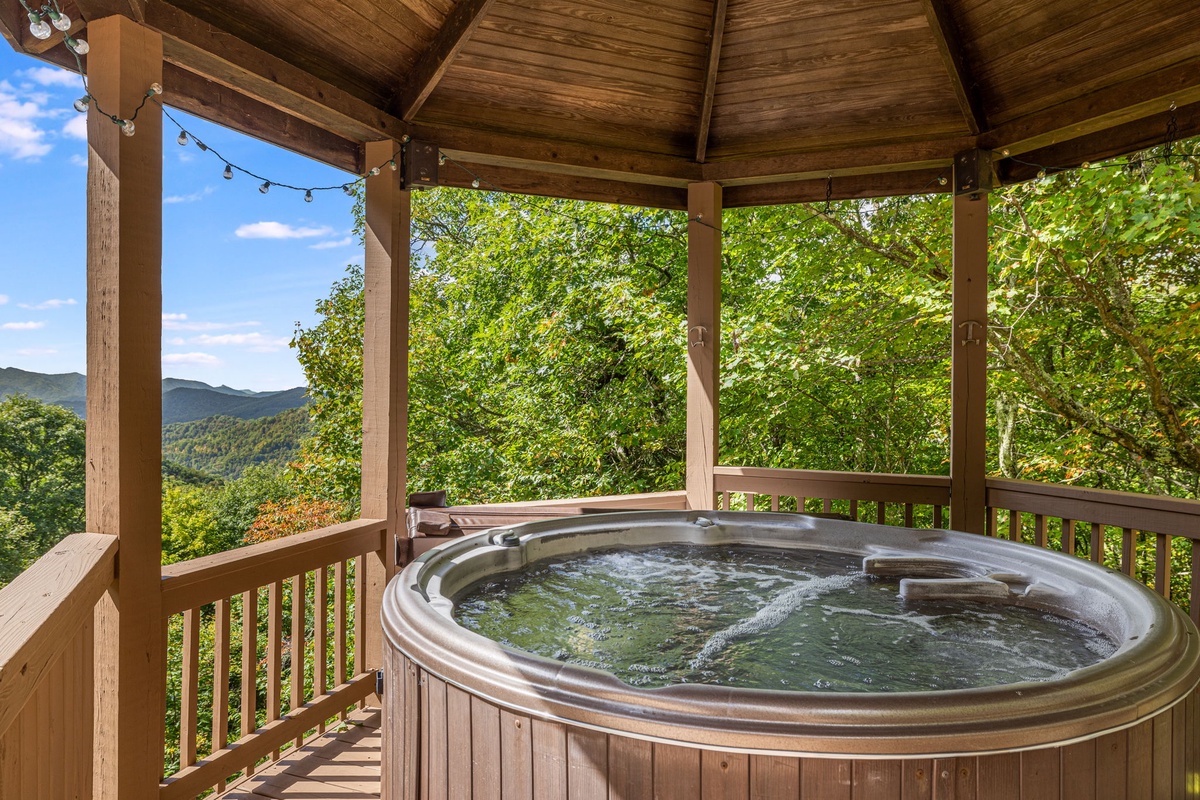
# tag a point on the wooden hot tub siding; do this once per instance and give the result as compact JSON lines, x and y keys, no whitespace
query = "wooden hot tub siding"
{"x":442,"y":743}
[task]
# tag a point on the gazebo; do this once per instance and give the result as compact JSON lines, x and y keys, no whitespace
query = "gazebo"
{"x":682,"y":104}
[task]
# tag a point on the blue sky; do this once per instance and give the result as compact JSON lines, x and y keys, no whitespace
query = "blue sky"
{"x":240,"y":268}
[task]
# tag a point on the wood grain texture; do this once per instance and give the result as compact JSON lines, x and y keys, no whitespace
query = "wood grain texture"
{"x":459,"y":744}
{"x":630,"y":768}
{"x":711,"y":69}
{"x":124,"y":409}
{"x":724,"y":776}
{"x":587,"y":764}
{"x":189,"y":701}
{"x":826,"y":779}
{"x":676,"y":772}
{"x":968,"y":366}
{"x":437,"y":56}
{"x":703,"y":341}
{"x":774,"y":778}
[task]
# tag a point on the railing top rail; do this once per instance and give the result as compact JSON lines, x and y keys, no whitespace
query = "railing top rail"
{"x":189,"y":584}
{"x":41,"y":610}
{"x":647,"y":500}
{"x":869,"y":486}
{"x":1156,"y":513}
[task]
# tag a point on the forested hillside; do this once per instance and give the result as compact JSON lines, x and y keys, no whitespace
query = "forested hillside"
{"x":226,"y":446}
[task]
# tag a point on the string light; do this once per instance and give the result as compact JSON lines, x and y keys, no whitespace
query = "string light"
{"x":127,"y":127}
{"x":77,"y":46}
{"x":81,"y":105}
{"x":182,"y":139}
{"x":308,"y":195}
{"x":266,"y":187}
{"x":475,"y":183}
{"x":38,"y":26}
{"x":58,"y":19}
{"x":228,"y":173}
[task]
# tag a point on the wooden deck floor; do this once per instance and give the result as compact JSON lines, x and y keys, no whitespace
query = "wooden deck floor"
{"x":340,"y":765}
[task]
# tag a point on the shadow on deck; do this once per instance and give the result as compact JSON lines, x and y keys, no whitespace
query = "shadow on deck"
{"x":339,"y":765}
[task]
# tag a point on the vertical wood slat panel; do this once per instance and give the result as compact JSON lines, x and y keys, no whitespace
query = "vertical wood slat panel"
{"x":274,"y":652}
{"x":249,"y":665}
{"x":1139,"y":771}
{"x":1067,"y":536}
{"x":1162,"y":755}
{"x":631,"y":769}
{"x":339,"y":627}
{"x":549,"y":759}
{"x":1097,"y":543}
{"x":426,"y":743}
{"x":516,"y":755}
{"x":360,"y":613}
{"x":220,"y":683}
{"x":676,"y":772}
{"x":774,"y":778}
{"x":826,"y":505}
{"x":876,"y":780}
{"x":826,"y":779}
{"x":937,"y":517}
{"x":1128,"y":552}
{"x":908,"y":515}
{"x":190,"y":688}
{"x":1111,"y":766}
{"x":458,"y":751}
{"x":1194,"y":593}
{"x":751,"y":501}
{"x":991,"y":528}
{"x":485,"y":750}
{"x":1079,"y":771}
{"x":439,"y":743}
{"x":1039,"y":530}
{"x":1040,"y":774}
{"x":774,"y":502}
{"x":296,"y":667}
{"x":916,"y":779}
{"x":854,"y":510}
{"x":881,"y":513}
{"x":1014,"y":526}
{"x":320,"y":635}
{"x":587,"y":764}
{"x":724,"y":776}
{"x":1179,"y":776}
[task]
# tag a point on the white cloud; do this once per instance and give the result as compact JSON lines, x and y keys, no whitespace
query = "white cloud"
{"x":37,"y":351}
{"x":78,"y":160}
{"x":182,"y":325}
{"x":20,"y":135}
{"x":331,"y":243}
{"x":3,"y":299}
{"x":188,"y":198}
{"x":49,"y":304}
{"x":198,"y":359}
{"x":279,"y":230}
{"x":256,"y":342}
{"x":76,"y":128}
{"x":177,"y":341}
{"x":22,"y":326}
{"x":51,"y":76}
{"x":173,"y":317}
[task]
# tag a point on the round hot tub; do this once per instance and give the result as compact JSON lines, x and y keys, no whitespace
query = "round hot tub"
{"x":704,"y":713}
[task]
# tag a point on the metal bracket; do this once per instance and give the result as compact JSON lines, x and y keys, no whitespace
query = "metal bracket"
{"x":379,"y":683}
{"x":699,"y":330}
{"x":970,"y":325}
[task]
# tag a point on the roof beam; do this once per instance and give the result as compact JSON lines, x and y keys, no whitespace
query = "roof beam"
{"x":925,"y":181}
{"x":949,"y":44}
{"x":432,"y":64}
{"x":711,"y":64}
{"x":1100,"y":110}
{"x":520,"y":181}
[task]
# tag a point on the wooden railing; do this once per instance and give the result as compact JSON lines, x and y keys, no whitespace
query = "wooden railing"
{"x":287,"y":616}
{"x":46,"y":671}
{"x":1151,"y":538}
{"x":909,"y":500}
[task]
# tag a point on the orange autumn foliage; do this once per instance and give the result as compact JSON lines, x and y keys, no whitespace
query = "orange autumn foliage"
{"x":277,"y":519}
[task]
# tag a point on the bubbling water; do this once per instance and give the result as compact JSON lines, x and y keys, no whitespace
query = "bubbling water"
{"x":766,"y":618}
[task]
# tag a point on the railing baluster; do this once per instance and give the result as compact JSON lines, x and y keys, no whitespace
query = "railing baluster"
{"x":297,"y":666}
{"x":249,"y":665}
{"x":339,"y":627}
{"x":854,"y":510}
{"x":1128,"y":552}
{"x":1014,"y":526}
{"x":1068,"y":536}
{"x":321,"y":634}
{"x":360,"y":615}
{"x":826,"y":505}
{"x":1162,"y":564}
{"x":1194,"y":594}
{"x":274,"y":653}
{"x":881,"y":513}
{"x":220,"y":697}
{"x":774,"y":502}
{"x":1039,"y":530}
{"x":908,"y":515}
{"x":991,"y":528}
{"x":751,"y":501}
{"x":725,"y":501}
{"x":1097,"y":543}
{"x":189,"y":698}
{"x":937,"y":516}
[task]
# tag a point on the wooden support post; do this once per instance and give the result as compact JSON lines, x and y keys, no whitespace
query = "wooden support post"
{"x":703,"y":341}
{"x":124,"y":404}
{"x":968,"y":371}
{"x":385,"y":380}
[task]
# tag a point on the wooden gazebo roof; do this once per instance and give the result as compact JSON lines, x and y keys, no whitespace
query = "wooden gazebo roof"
{"x":630,"y":101}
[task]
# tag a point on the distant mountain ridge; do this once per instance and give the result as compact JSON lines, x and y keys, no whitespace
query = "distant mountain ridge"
{"x":183,"y":400}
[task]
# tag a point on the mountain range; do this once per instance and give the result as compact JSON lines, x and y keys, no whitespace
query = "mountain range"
{"x":183,"y":400}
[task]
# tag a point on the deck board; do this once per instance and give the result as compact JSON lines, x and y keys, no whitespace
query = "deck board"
{"x":338,"y":765}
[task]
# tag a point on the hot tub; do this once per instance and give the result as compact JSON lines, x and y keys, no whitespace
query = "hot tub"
{"x":468,"y":717}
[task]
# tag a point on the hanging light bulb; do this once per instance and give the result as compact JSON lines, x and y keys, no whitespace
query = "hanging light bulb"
{"x":266,"y":187}
{"x":1041,"y":173}
{"x":475,"y":183}
{"x":1085,"y":165}
{"x":348,"y":189}
{"x":942,"y":180}
{"x":442,"y":159}
{"x":374,"y":171}
{"x":155,"y":89}
{"x":182,"y":139}
{"x":58,"y":19}
{"x":127,"y":127}
{"x":81,"y":105}
{"x":78,"y":46}
{"x":38,"y":26}
{"x":308,"y":195}
{"x":393,"y":165}
{"x":228,"y":173}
